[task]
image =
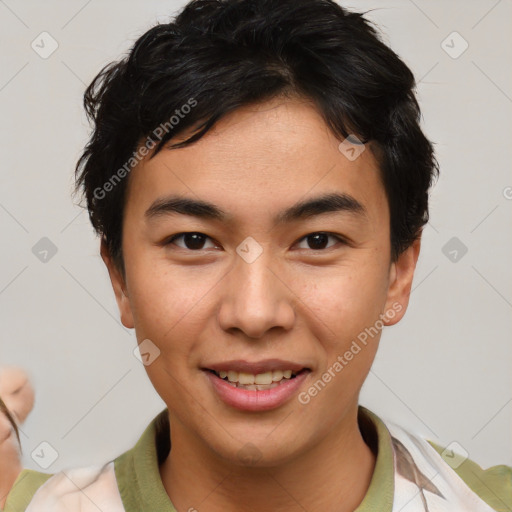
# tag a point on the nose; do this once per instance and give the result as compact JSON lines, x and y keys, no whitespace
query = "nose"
{"x":256,"y":299}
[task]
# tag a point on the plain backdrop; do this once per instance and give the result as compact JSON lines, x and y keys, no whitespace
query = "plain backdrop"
{"x":443,"y":372}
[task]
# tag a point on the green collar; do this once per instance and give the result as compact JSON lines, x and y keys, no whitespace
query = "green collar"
{"x":141,"y":487}
{"x":382,"y":485}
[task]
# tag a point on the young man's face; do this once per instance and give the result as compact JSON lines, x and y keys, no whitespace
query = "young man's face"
{"x":281,"y":299}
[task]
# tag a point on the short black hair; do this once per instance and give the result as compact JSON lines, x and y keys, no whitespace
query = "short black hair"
{"x":218,"y":55}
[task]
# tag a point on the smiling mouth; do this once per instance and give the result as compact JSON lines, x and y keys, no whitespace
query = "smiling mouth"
{"x":259,"y":381}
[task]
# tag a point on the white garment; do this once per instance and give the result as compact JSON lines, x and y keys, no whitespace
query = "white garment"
{"x":87,"y":489}
{"x":424,"y":482}
{"x":435,"y":486}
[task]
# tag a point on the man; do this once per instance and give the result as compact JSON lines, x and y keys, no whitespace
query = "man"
{"x":259,"y":180}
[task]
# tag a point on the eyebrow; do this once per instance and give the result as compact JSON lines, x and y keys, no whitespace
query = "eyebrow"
{"x":327,"y":203}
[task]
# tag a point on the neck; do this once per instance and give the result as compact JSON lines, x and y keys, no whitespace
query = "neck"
{"x":333,"y":475}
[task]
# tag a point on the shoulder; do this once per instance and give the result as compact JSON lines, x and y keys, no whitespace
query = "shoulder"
{"x":84,"y":489}
{"x":25,"y":485}
{"x":115,"y":486}
{"x":447,"y":475}
{"x":493,"y":485}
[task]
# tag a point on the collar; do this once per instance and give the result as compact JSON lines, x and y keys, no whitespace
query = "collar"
{"x":141,"y":487}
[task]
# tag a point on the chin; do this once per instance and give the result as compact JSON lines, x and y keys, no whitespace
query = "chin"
{"x":257,"y":451}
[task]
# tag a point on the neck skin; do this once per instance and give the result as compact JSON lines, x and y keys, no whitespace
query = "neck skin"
{"x":333,"y":476}
{"x":10,"y":465}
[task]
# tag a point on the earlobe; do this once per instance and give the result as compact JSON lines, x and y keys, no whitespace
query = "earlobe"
{"x":119,"y":286}
{"x":401,"y":275}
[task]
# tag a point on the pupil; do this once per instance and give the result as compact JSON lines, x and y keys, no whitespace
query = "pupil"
{"x":194,"y":240}
{"x":320,"y":240}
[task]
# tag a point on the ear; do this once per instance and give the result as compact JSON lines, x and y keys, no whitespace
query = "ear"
{"x":119,"y":286}
{"x":401,"y":274}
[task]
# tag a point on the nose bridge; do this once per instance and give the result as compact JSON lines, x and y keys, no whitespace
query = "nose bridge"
{"x":256,"y":300}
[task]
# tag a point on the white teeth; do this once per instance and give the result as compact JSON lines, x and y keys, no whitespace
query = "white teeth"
{"x":263,"y":378}
{"x":249,"y":379}
{"x":245,"y":378}
{"x":277,"y":375}
{"x":254,"y":387}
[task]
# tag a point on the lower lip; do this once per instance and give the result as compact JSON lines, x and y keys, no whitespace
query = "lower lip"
{"x":254,"y":400}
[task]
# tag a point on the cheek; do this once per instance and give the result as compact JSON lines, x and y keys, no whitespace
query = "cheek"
{"x":344,"y":301}
{"x":345,"y":307}
{"x":171,"y":304}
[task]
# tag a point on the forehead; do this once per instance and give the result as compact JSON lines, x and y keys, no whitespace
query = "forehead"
{"x":259,"y":159}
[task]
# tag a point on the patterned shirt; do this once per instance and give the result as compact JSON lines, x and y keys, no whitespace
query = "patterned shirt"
{"x":410,"y":475}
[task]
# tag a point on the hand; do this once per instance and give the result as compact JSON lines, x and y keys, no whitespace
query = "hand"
{"x":10,"y":456}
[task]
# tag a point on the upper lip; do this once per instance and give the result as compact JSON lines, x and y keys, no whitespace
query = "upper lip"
{"x":265,"y":365}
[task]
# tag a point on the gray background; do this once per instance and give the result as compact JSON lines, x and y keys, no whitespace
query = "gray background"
{"x":443,"y":372}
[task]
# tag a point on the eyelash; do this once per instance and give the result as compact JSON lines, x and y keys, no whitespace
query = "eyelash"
{"x":179,"y":235}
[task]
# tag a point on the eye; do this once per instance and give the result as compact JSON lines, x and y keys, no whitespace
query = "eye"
{"x":318,"y":241}
{"x":193,"y":241}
